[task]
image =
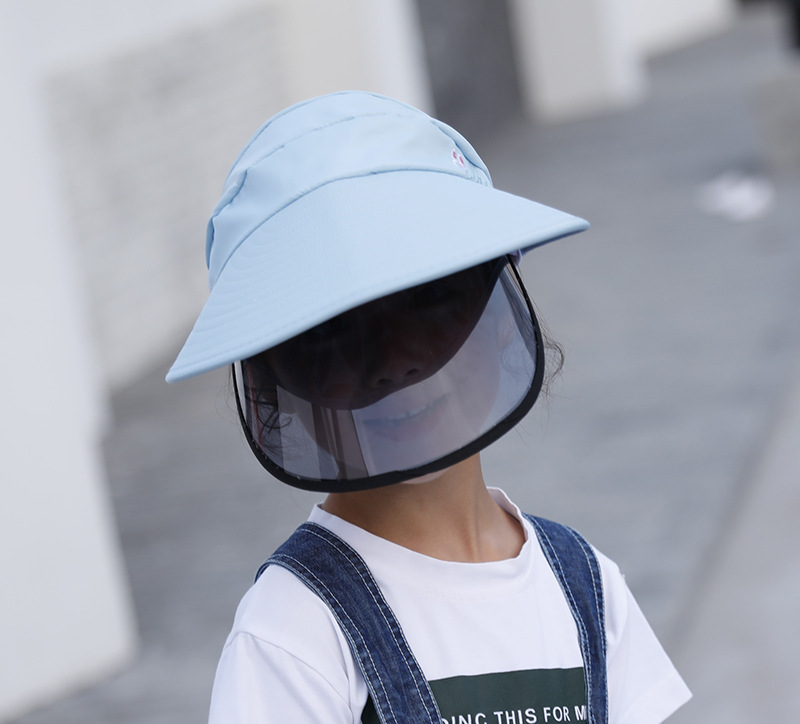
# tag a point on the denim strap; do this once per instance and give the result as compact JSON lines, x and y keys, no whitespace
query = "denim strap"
{"x":340,"y":577}
{"x":400,"y":692}
{"x":578,"y":572}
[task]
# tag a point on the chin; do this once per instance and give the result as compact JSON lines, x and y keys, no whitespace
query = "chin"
{"x":422,"y":479}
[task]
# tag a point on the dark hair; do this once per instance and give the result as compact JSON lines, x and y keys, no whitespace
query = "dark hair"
{"x":553,"y":355}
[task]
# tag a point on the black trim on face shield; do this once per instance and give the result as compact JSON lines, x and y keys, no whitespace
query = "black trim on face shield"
{"x":398,"y":388}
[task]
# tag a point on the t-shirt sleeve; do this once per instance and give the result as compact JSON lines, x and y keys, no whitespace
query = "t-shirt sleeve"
{"x":271,"y":671}
{"x":260,"y":682}
{"x":644,"y":687}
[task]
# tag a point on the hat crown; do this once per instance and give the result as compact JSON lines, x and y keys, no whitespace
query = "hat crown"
{"x":341,"y":200}
{"x":334,"y":137}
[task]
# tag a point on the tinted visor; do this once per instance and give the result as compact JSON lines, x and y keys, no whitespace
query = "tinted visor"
{"x":396,"y":388}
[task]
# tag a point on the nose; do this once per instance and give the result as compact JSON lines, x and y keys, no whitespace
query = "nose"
{"x":400,"y":358}
{"x":394,"y":374}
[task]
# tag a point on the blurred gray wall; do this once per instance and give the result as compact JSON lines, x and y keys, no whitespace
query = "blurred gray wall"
{"x":473,"y":73}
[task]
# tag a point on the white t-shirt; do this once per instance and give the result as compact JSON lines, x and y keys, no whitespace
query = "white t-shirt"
{"x":496,"y":640}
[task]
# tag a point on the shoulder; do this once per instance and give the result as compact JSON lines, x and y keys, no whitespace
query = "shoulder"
{"x":571,"y":545}
{"x":281,"y":612}
{"x":285,"y":657}
{"x":617,"y":596}
{"x":643,"y":684}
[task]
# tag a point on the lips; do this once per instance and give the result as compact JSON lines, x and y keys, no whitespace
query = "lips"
{"x":409,"y":423}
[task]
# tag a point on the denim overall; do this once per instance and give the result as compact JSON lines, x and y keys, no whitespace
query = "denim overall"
{"x":399,"y":690}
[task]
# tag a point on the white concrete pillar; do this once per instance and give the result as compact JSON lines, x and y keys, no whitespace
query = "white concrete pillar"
{"x":65,"y":617}
{"x":575,"y":57}
{"x":372,"y":45}
{"x":662,"y":25}
{"x":394,"y":51}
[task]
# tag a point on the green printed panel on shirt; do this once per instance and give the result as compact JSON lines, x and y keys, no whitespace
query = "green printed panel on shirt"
{"x":541,"y":696}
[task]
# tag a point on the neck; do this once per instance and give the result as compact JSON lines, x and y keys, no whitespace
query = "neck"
{"x":450,"y":515}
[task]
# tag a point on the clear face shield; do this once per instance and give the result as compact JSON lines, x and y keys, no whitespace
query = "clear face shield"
{"x":396,"y":388}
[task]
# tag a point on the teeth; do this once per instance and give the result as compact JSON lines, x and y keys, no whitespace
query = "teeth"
{"x":403,"y":417}
{"x":408,"y":415}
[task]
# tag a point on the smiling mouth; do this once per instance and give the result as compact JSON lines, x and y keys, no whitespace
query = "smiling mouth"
{"x":416,"y":420}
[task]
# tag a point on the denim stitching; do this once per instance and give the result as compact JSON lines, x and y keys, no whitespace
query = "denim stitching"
{"x":599,"y":612}
{"x":597,"y":579}
{"x":598,"y":713}
{"x":424,"y":694}
{"x":591,"y":568}
{"x":555,"y":562}
{"x":281,"y":559}
{"x":369,"y":582}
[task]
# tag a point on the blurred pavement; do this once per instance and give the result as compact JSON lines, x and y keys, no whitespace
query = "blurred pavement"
{"x":670,"y":440}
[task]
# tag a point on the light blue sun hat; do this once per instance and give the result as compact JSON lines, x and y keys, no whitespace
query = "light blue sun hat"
{"x":340,"y":200}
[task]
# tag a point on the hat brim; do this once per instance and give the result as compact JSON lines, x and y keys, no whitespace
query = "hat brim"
{"x":349,"y":242}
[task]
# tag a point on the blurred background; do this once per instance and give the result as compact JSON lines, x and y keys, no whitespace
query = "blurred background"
{"x":133,"y":516}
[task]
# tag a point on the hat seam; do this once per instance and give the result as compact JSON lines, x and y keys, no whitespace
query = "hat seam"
{"x":336,"y":122}
{"x":260,"y":159}
{"x":305,"y":193}
{"x":302,"y":104}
